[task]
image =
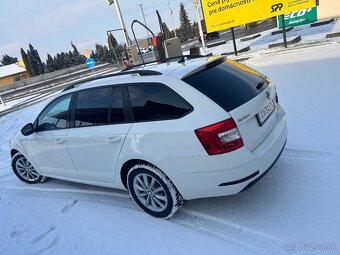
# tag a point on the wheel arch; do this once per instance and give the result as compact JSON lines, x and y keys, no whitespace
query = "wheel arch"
{"x":13,"y":152}
{"x":128,"y":165}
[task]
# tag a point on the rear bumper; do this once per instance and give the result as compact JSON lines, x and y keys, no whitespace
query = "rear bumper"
{"x":227,"y":174}
{"x":250,"y":184}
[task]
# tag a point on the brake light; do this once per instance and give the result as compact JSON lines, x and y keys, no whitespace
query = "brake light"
{"x":220,"y":138}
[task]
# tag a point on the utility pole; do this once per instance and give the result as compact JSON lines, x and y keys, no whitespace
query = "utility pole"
{"x":172,"y":19}
{"x":122,"y":24}
{"x":147,"y":31}
{"x":198,"y":16}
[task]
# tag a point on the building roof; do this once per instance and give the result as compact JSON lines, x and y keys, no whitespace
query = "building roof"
{"x":8,"y":70}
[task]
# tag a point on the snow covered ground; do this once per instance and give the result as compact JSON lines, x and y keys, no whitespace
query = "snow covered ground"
{"x":292,"y":210}
{"x":309,"y":36}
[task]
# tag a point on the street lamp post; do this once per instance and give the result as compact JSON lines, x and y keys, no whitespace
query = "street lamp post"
{"x":141,"y":7}
{"x":172,"y":19}
{"x":122,"y":24}
{"x":198,"y":16}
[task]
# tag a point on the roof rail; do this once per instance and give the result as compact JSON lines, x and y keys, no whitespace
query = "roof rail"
{"x":139,"y":72}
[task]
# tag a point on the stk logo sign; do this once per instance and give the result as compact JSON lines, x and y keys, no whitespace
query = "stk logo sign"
{"x":277,"y":7}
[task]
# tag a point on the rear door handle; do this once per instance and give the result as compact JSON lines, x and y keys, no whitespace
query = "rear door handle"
{"x":113,"y":139}
{"x":60,"y":140}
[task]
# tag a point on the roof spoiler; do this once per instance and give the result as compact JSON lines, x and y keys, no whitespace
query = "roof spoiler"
{"x":181,"y":59}
{"x":206,"y":66}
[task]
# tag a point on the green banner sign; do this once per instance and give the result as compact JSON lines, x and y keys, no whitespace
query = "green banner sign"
{"x":299,"y":18}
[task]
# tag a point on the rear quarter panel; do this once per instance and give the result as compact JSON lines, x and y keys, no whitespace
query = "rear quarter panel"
{"x":156,"y":140}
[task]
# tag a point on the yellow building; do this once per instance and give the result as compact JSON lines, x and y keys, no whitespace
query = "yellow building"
{"x":328,"y":9}
{"x":12,"y":73}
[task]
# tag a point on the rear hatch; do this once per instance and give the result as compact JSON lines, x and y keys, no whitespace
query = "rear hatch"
{"x":245,"y":94}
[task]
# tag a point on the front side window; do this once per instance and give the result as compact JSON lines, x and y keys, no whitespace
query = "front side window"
{"x":156,"y":102}
{"x":55,"y":116}
{"x":92,"y":107}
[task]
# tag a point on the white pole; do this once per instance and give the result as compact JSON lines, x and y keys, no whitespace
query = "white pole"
{"x":122,"y":24}
{"x":172,"y":19}
{"x":198,"y":16}
{"x":147,"y":31}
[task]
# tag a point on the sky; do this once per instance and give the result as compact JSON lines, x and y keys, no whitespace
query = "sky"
{"x":51,"y":25}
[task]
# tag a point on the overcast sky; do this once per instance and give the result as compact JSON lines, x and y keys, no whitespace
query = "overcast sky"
{"x":51,"y":25}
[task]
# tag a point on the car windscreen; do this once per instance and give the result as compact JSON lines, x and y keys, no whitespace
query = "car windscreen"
{"x":228,"y":84}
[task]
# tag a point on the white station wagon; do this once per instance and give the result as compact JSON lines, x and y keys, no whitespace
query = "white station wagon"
{"x":168,"y":132}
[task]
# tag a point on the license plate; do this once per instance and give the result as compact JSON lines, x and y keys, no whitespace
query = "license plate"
{"x":266,"y":112}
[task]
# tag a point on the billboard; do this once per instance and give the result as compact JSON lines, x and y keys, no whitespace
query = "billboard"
{"x":298,"y":18}
{"x":223,"y":14}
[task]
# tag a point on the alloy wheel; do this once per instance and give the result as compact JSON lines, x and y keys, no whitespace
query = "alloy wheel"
{"x":26,"y":170}
{"x":150,"y":192}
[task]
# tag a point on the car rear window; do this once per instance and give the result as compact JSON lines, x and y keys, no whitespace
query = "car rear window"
{"x":228,"y":84}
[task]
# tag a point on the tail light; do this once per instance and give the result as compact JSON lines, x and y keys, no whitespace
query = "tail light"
{"x":220,"y":138}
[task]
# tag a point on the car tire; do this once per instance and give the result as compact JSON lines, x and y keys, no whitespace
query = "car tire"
{"x":24,"y":170}
{"x":153,"y":191}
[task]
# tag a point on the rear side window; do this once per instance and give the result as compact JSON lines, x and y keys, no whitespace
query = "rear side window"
{"x":228,"y":84}
{"x":92,"y":107}
{"x":156,"y":102}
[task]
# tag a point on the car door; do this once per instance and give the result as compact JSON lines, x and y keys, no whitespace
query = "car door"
{"x":48,"y":144}
{"x":97,"y":133}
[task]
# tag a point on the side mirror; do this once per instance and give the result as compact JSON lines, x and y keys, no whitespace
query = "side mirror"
{"x":27,"y":129}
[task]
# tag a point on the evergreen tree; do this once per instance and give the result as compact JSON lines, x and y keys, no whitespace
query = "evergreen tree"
{"x":94,"y":56}
{"x":115,"y":49}
{"x":50,"y":64}
{"x":26,"y":62}
{"x":34,"y":65}
{"x":7,"y":60}
{"x":56,"y":61}
{"x":195,"y":29}
{"x":62,"y":60}
{"x":100,"y":53}
{"x":77,"y":58}
{"x":72,"y":58}
{"x":36,"y":59}
{"x":68,"y":60}
{"x":185,"y":24}
{"x":112,"y":42}
{"x":107,"y":57}
{"x":112,"y":57}
{"x":167,"y":33}
{"x":45,"y":68}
